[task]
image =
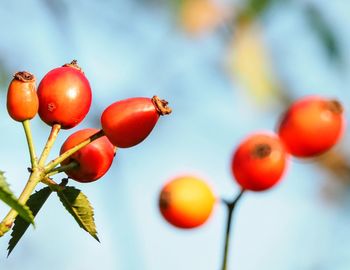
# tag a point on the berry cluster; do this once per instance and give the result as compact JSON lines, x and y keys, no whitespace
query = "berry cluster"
{"x":310,"y":127}
{"x":62,"y":100}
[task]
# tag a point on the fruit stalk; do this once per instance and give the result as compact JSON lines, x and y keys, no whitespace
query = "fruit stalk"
{"x":52,"y":164}
{"x":39,"y":173}
{"x":53,"y":185}
{"x":28,"y":133}
{"x":62,"y":168}
{"x":50,"y":141}
{"x":230,"y":207}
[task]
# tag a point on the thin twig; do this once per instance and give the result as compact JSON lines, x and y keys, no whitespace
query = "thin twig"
{"x":230,"y":207}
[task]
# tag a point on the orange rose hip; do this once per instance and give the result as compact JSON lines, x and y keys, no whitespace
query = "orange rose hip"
{"x":22,"y":99}
{"x":186,"y":202}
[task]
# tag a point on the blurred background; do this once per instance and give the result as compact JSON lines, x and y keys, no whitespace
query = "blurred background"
{"x":227,"y":68}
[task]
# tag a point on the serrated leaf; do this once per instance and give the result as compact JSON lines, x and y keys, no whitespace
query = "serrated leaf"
{"x":78,"y":205}
{"x":35,"y":202}
{"x":10,"y":199}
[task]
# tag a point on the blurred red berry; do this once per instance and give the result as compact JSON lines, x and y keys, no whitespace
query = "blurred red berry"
{"x":311,"y":126}
{"x":259,"y":162}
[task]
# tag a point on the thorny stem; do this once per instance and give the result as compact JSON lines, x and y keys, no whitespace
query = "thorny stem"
{"x":27,"y":130}
{"x":50,"y":141}
{"x":230,"y":207}
{"x":71,"y":165}
{"x":52,"y":164}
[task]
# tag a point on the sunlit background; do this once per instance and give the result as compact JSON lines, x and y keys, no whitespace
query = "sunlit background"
{"x":227,"y":68}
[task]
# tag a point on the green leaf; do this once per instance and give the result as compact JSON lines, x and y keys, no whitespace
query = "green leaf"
{"x":255,"y":8}
{"x":10,"y":199}
{"x":324,"y":32}
{"x":35,"y":202}
{"x":79,"y":207}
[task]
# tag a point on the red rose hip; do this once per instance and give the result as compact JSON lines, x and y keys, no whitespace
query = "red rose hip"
{"x":259,"y":162}
{"x":311,"y":126}
{"x":64,"y":96}
{"x":93,"y":160}
{"x":22,"y":99}
{"x":128,"y":122}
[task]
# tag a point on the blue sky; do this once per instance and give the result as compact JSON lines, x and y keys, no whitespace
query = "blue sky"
{"x":127,"y":49}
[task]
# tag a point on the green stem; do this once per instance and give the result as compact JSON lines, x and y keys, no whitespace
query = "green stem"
{"x":50,"y":141}
{"x":63,"y":168}
{"x":34,"y":179}
{"x":39,"y":173}
{"x":53,"y":185}
{"x":27,"y":130}
{"x":230,"y":207}
{"x":52,"y":164}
